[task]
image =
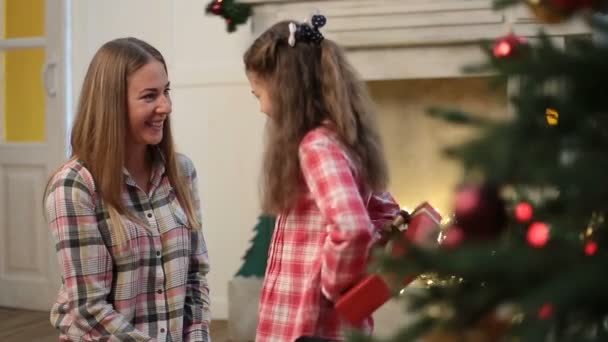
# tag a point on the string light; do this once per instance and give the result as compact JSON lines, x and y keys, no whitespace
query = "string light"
{"x":591,"y":248}
{"x":538,"y":234}
{"x":524,"y":212}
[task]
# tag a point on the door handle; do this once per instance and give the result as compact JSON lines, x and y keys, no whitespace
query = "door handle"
{"x":49,"y":78}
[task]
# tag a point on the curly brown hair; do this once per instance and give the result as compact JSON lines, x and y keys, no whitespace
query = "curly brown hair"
{"x":310,"y":83}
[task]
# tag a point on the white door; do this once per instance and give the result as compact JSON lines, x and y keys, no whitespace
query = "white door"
{"x":33,"y":97}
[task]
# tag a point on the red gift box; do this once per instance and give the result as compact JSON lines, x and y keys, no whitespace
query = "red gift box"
{"x":360,"y":301}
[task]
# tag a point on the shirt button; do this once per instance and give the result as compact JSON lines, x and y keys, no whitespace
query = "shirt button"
{"x":149,"y":215}
{"x":157,"y":254}
{"x":162,"y":330}
{"x":159,"y":291}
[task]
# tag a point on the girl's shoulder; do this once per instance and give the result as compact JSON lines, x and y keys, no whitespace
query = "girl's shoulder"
{"x":320,"y":136}
{"x":323,"y":140}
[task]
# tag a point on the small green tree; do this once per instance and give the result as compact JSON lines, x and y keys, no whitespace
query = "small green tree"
{"x":255,"y":258}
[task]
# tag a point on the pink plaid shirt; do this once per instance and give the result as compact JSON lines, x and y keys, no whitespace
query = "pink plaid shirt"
{"x":320,"y":247}
{"x":151,"y":287}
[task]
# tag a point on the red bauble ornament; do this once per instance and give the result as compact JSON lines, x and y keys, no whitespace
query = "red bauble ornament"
{"x":453,"y":237}
{"x":545,"y":311}
{"x":538,"y":234}
{"x":480,"y":212}
{"x":591,"y":248}
{"x":524,"y":212}
{"x":216,"y":8}
{"x":509,"y":46}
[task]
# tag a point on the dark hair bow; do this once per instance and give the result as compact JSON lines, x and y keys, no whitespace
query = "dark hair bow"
{"x":309,"y":33}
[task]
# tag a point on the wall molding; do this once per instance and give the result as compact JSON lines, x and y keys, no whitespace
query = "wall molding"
{"x":404,"y":39}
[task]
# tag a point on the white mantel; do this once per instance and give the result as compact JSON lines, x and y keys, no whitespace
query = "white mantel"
{"x":401,"y":39}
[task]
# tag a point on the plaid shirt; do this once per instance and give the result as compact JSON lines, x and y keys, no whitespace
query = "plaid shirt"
{"x":151,"y":287}
{"x":320,"y":247}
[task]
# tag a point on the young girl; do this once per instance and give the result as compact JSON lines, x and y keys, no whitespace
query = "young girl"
{"x":124,"y":211}
{"x":324,"y":175}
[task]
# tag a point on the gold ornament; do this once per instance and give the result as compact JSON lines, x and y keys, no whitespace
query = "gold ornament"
{"x":552,"y":116}
{"x":429,"y":280}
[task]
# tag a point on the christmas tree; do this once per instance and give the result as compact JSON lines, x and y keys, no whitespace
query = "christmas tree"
{"x":255,"y":258}
{"x":524,"y":257}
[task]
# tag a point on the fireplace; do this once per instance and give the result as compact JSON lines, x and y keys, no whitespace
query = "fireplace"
{"x":413,"y":141}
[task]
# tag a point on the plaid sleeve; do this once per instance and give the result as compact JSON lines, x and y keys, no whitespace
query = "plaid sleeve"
{"x":85,"y":262}
{"x":382,"y":208}
{"x":330,"y":179}
{"x":197,"y":307}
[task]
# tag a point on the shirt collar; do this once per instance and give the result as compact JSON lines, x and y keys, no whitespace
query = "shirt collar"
{"x":158,"y":168}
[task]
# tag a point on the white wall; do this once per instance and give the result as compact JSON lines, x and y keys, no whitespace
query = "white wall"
{"x":216,"y":120}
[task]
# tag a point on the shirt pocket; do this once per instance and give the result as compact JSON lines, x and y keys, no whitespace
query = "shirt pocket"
{"x":176,"y":234}
{"x":126,"y":249}
{"x":180,"y":218}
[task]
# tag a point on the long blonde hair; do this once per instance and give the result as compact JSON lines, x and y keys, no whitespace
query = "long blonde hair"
{"x":100,"y":127}
{"x":310,"y":83}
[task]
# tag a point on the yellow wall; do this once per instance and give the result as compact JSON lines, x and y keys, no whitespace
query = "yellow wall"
{"x":24,"y":107}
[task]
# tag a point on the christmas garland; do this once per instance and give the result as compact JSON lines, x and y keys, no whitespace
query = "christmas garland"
{"x":233,"y":12}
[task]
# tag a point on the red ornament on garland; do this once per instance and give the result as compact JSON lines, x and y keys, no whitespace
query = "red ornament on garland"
{"x":510,"y":45}
{"x":216,"y":7}
{"x":233,"y":12}
{"x":538,"y":234}
{"x":591,"y":248}
{"x":524,"y":212}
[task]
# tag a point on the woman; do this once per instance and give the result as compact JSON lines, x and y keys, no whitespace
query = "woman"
{"x":124,"y":211}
